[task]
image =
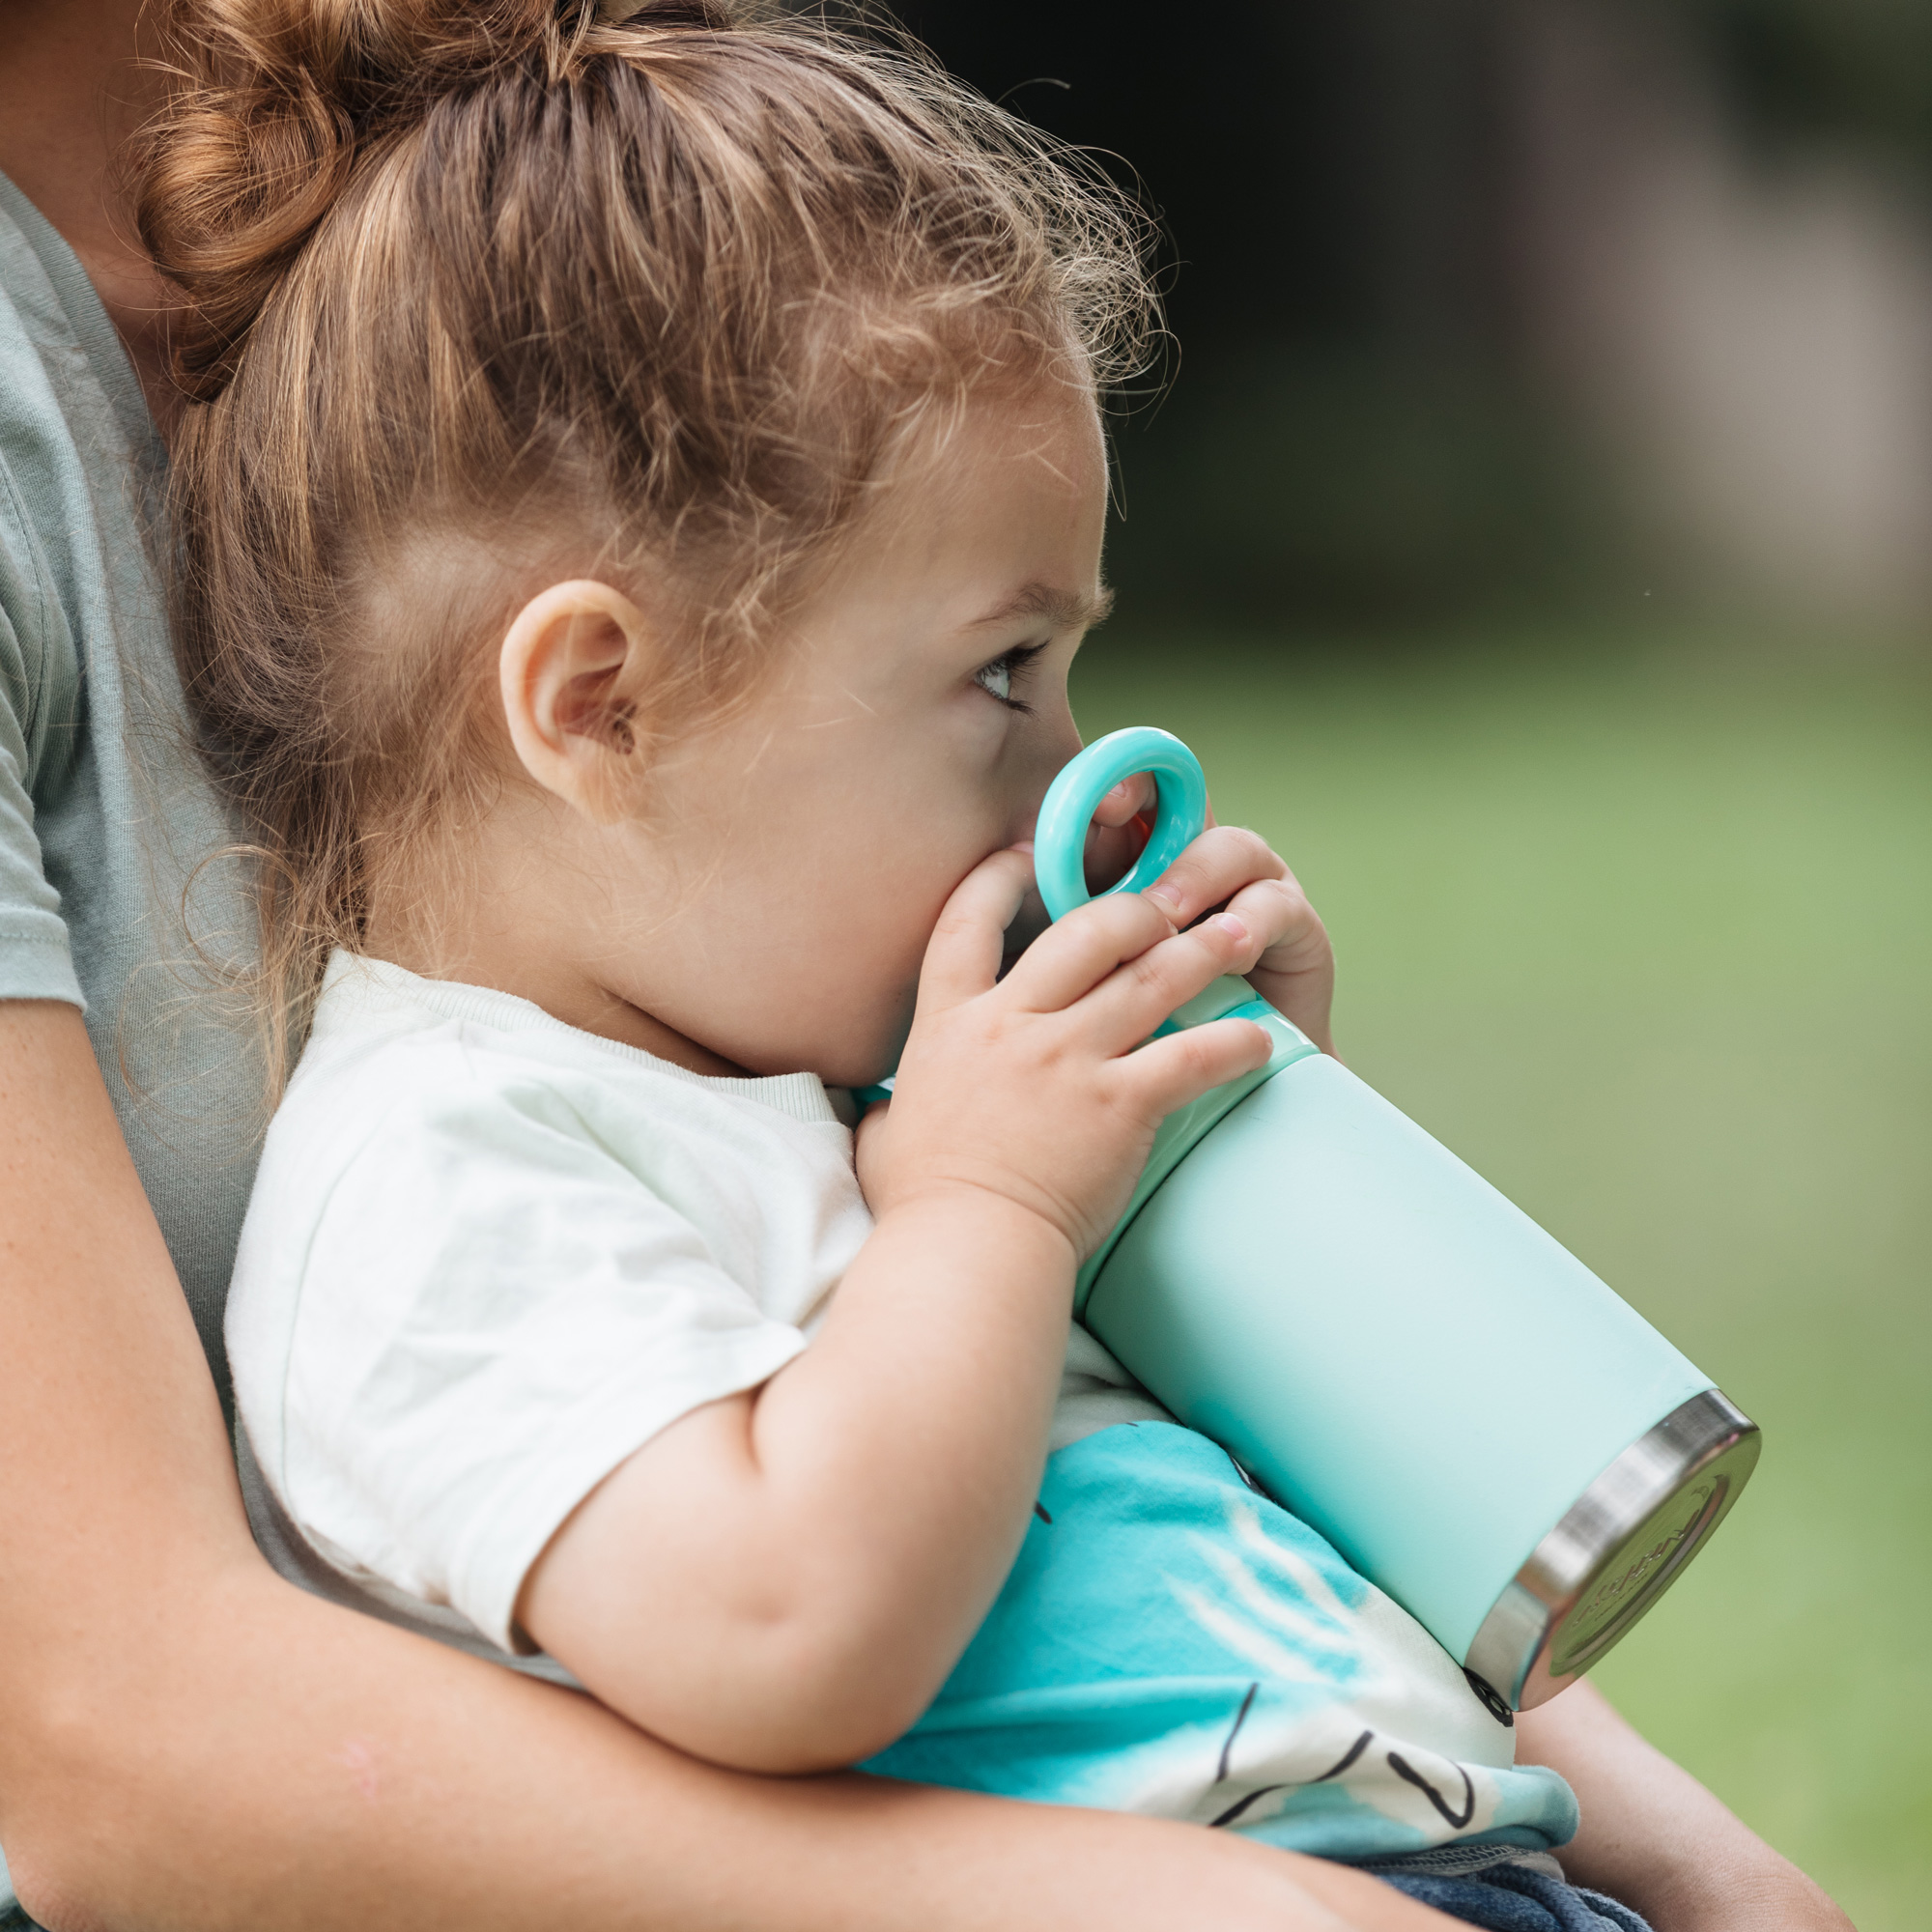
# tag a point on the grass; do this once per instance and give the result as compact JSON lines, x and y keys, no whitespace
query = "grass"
{"x":1649,"y":942}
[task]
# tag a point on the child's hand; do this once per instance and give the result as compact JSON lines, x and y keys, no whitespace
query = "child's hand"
{"x":1295,"y":974}
{"x":1028,"y":1089}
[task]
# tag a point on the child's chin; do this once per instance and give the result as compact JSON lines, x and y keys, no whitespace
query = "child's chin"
{"x":866,"y":1061}
{"x":857,"y":1074}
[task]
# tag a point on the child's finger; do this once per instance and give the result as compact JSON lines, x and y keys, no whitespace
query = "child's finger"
{"x":963,"y":957}
{"x":1134,"y":794}
{"x":1290,"y":930}
{"x":1075,"y":953}
{"x":1137,"y":996}
{"x":1213,"y":869}
{"x":1118,"y":830}
{"x":1168,"y":1073}
{"x":1277,"y":912}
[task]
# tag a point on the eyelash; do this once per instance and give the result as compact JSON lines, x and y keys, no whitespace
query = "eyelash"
{"x":1015,"y":664}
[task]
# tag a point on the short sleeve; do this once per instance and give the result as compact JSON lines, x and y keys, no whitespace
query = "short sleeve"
{"x":493,"y":1312}
{"x":35,"y":960}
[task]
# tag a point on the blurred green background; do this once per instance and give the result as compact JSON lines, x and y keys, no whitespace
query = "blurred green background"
{"x":1493,"y":310}
{"x":1530,"y":523}
{"x":1642,"y":928}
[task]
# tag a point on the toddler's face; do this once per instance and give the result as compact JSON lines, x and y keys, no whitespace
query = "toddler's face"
{"x":785,"y":884}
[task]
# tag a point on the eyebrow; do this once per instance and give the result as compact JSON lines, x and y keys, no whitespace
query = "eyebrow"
{"x":1063,"y":609}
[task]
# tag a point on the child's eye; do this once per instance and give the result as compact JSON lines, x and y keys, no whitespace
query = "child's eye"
{"x":998,"y":678}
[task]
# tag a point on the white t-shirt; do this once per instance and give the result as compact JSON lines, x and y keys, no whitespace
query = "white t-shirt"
{"x":489,"y":1256}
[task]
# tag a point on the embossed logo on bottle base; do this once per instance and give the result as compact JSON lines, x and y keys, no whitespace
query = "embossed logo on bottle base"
{"x":1638,"y":1569}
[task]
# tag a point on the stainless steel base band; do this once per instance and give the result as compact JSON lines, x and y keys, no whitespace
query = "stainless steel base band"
{"x":1617,"y":1550}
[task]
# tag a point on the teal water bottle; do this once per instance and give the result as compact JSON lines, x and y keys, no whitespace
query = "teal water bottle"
{"x":1391,"y":1348}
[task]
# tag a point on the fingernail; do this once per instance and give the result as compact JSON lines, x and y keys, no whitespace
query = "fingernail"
{"x":1022,"y":845}
{"x":1234,"y":927}
{"x":1163,"y":895}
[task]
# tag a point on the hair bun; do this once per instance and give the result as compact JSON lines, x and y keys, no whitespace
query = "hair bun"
{"x":700,"y":16}
{"x":274,"y":99}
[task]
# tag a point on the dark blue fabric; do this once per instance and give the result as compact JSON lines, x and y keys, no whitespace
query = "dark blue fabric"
{"x":1513,"y":1898}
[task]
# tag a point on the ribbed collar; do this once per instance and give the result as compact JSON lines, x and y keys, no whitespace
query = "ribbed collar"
{"x":355,"y":985}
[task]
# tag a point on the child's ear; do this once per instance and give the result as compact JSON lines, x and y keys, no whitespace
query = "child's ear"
{"x":569,"y":661}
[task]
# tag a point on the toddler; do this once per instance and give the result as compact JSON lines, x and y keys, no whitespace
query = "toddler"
{"x":642,"y":495}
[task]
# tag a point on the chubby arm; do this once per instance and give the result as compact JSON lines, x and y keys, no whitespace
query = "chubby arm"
{"x":782,"y":1581}
{"x":1656,"y":1839}
{"x":188,"y":1741}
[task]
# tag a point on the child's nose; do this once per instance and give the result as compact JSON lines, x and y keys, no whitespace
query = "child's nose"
{"x":1058,"y":748}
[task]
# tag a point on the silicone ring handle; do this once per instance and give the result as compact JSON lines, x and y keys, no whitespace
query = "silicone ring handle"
{"x":1059,"y":838}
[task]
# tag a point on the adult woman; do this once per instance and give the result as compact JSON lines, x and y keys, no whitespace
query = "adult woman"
{"x":187,"y":1740}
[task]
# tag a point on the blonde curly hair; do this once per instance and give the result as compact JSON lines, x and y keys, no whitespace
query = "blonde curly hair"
{"x":477,"y":289}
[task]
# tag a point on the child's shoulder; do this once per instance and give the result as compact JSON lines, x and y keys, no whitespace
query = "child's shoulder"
{"x":447,"y":1155}
{"x":417,"y":1095}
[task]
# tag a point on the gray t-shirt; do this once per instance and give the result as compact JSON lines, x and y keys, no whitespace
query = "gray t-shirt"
{"x":105,"y":818}
{"x":112,"y":894}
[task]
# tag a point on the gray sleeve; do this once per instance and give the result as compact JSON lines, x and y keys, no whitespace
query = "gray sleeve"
{"x":35,"y":960}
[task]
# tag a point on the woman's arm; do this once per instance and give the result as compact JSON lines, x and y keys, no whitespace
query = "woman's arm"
{"x":1655,"y":1839}
{"x":186,"y":1740}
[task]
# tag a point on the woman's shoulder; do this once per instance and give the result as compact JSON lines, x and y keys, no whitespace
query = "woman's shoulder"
{"x":80,"y":462}
{"x":36,"y":442}
{"x":68,"y":379}
{"x":39,"y":662}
